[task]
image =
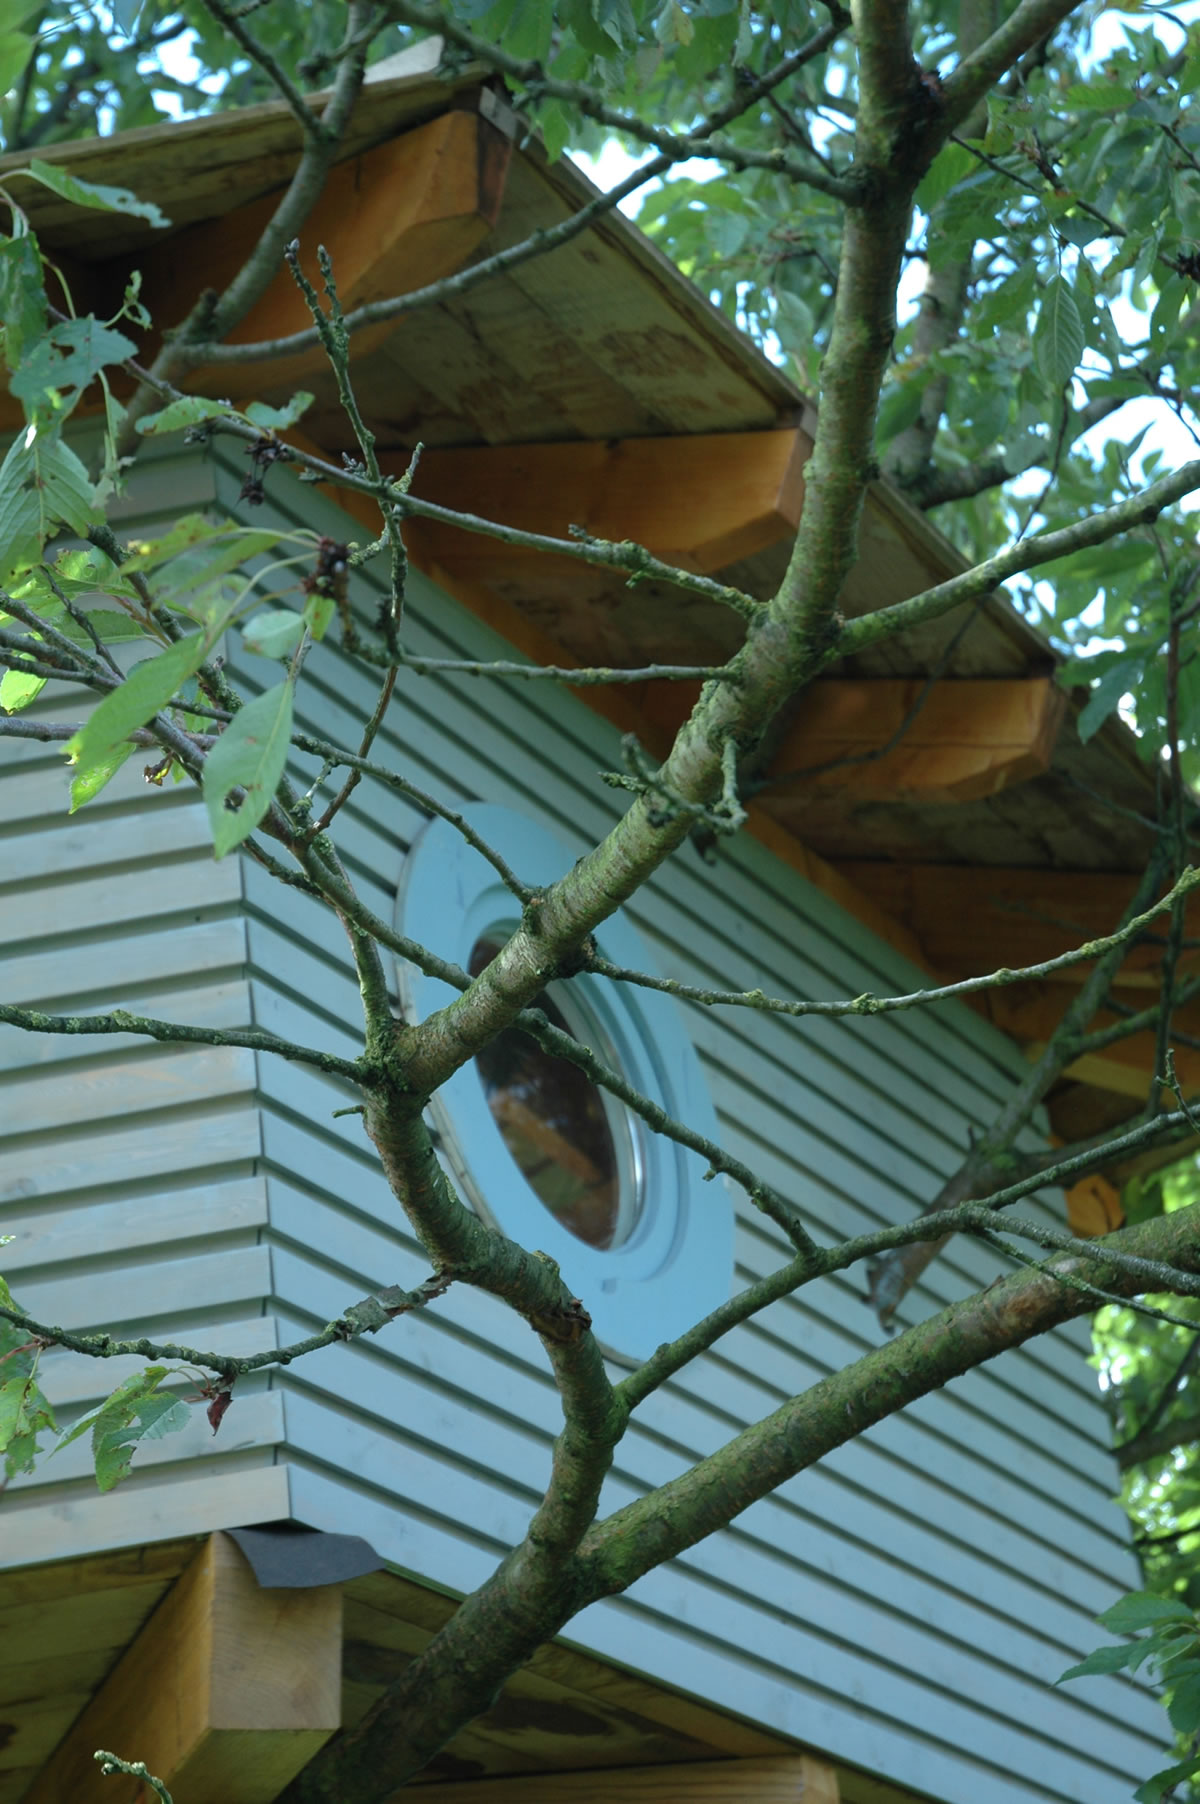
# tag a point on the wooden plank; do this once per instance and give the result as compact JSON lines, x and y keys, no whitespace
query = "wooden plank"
{"x":100,"y":1230}
{"x":971,"y":920}
{"x":875,"y":739}
{"x":215,"y":1005}
{"x":38,"y":1729}
{"x":253,"y":1422}
{"x":779,"y":1779}
{"x":142,"y":1081}
{"x":167,"y":1287}
{"x":559,"y":1671}
{"x":69,"y":1380}
{"x":226,"y":1694}
{"x":202,"y":168}
{"x":397,"y":217}
{"x":43,"y":1526}
{"x":84,"y":842}
{"x":50,"y":981}
{"x":701,"y":502}
{"x":197,"y":1140}
{"x":102,"y":1572}
{"x":47,"y":911}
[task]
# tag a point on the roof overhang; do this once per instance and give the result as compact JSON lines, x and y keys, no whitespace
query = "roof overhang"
{"x":595,"y":386}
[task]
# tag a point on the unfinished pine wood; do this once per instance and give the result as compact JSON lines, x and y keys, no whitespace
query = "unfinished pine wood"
{"x":786,"y":1779}
{"x":393,"y":219}
{"x":700,"y":501}
{"x":226,"y":1694}
{"x":874,"y":739}
{"x":972,"y":919}
{"x":388,"y":1614}
{"x":1094,"y":1206}
{"x":201,"y":168}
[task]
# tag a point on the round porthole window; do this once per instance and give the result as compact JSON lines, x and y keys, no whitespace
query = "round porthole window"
{"x":552,"y":1160}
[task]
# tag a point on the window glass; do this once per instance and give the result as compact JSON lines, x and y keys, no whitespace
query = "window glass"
{"x":575,"y":1150}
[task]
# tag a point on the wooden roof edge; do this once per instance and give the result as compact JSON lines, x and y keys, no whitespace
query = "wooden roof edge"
{"x":401,"y":77}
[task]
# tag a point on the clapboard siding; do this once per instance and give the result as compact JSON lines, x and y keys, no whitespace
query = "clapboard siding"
{"x":906,"y":1605}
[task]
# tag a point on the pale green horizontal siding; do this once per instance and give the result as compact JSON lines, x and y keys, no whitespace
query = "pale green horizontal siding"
{"x":906,"y":1605}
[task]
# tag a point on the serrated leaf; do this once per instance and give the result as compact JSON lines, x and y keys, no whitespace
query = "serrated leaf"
{"x":149,"y":686}
{"x":68,"y":357}
{"x":22,"y":296}
{"x":87,"y":784}
{"x":250,"y":755}
{"x":43,"y":485}
{"x":92,"y":194}
{"x":274,"y":419}
{"x":275,"y":634}
{"x":1057,"y":335}
{"x":1142,"y":1610}
{"x":189,"y":411}
{"x":18,"y":689}
{"x":948,"y":168}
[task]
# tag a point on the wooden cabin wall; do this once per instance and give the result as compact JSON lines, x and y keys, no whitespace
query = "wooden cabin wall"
{"x":907,"y":1605}
{"x":904,"y":1607}
{"x":130,"y":1173}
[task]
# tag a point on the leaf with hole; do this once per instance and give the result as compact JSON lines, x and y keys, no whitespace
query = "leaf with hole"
{"x":249,"y":758}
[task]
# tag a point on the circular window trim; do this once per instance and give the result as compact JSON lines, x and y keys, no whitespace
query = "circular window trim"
{"x":676,"y":1263}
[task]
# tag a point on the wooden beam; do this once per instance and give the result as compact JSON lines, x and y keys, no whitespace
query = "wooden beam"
{"x":875,"y":739}
{"x":1094,"y":1206}
{"x":226,"y":1694}
{"x":784,"y":1779}
{"x":1030,"y":1012}
{"x":702,"y":502}
{"x":393,"y":219}
{"x":972,"y":919}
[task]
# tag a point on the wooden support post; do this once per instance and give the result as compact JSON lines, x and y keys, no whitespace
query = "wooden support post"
{"x":782,"y":1779}
{"x":392,"y":220}
{"x":226,"y":1694}
{"x":701,"y":502}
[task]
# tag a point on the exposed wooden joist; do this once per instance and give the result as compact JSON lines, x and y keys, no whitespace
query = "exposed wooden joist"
{"x":226,"y":1693}
{"x":393,"y":219}
{"x":785,"y":1779}
{"x":968,"y":738}
{"x":875,"y":739}
{"x":701,"y":501}
{"x":972,"y":919}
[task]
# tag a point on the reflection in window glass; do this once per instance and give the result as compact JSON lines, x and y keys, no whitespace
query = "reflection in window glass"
{"x":576,"y":1151}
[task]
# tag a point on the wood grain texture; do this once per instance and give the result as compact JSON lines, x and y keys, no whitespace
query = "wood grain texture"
{"x":786,"y":1779}
{"x":226,"y":1694}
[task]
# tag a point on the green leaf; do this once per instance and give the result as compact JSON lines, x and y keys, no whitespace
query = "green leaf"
{"x":68,"y":357}
{"x":1058,"y":335}
{"x":22,"y":296}
{"x":1183,"y":1705}
{"x":319,"y":611}
{"x":1142,"y":1610}
{"x":1103,"y":1659}
{"x":149,"y":686}
{"x":274,"y":419}
{"x":1155,"y":1789}
{"x":43,"y":485}
{"x":275,"y":634}
{"x":1105,"y":697}
{"x":948,"y":168}
{"x":18,"y":689}
{"x":92,"y":194}
{"x":87,"y":784}
{"x":250,"y":755}
{"x":186,"y":412}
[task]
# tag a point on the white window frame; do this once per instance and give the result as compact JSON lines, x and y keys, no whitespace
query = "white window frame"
{"x":676,"y":1263}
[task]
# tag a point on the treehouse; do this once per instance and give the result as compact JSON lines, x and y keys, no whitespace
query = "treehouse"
{"x":888,"y":1626}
